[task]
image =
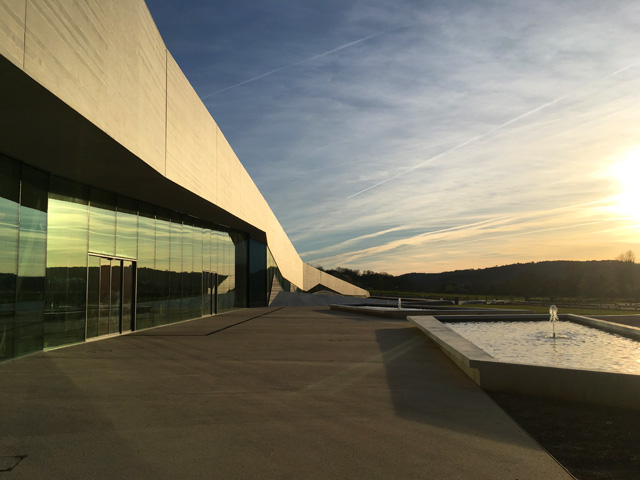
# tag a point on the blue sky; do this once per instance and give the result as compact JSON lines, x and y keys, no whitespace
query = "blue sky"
{"x":427,"y":136}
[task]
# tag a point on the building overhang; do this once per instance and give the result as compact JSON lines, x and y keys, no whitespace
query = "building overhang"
{"x":39,"y":129}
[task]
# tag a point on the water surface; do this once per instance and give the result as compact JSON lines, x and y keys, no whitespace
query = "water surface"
{"x":575,"y":346}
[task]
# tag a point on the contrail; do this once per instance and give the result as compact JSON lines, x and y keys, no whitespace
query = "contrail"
{"x":463,"y":144}
{"x":482,"y":135}
{"x":306,"y":60}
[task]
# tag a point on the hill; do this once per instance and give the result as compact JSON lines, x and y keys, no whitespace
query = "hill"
{"x":602,"y":279}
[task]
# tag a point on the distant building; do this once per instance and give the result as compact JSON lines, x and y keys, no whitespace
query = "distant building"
{"x":122,"y":206}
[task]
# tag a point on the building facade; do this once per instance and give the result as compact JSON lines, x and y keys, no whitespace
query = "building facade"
{"x":122,"y":205}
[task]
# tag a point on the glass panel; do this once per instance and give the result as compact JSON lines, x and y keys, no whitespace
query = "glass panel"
{"x":128,"y":297}
{"x":126,"y":228}
{"x":66,"y":279}
{"x":188,"y":306}
{"x":241,"y":270}
{"x":31,"y":265}
{"x":146,"y":267}
{"x":116,"y":289}
{"x":222,"y":284}
{"x":102,"y":222}
{"x":105,"y":296}
{"x":93,"y":296}
{"x":226,"y":274}
{"x":231,"y":255}
{"x":206,"y":250}
{"x":161,"y":277}
{"x":9,"y":197}
{"x":175,"y":268}
{"x":196,"y":275}
{"x":257,"y":274}
{"x":206,"y":293}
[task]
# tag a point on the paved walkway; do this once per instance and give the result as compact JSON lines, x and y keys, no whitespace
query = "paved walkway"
{"x":273,"y":393}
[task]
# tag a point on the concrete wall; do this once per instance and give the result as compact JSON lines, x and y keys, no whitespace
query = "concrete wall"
{"x":106,"y":60}
{"x":313,"y":277}
{"x":12,"y":15}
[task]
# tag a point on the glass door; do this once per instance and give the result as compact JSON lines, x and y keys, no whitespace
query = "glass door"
{"x":110,"y":296}
{"x":104,"y":296}
{"x":209,"y":293}
{"x":128,"y":297}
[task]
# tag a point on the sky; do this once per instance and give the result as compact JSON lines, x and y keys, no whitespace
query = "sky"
{"x":427,"y":136}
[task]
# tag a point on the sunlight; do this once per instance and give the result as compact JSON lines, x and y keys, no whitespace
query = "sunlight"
{"x":627,"y":174}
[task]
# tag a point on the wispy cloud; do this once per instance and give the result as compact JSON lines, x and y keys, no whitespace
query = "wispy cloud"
{"x":306,"y":60}
{"x":446,"y":134}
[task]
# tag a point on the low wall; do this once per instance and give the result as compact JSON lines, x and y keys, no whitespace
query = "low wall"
{"x":604,"y":388}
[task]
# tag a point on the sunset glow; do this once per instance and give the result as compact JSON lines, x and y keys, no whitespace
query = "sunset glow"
{"x":627,"y":175}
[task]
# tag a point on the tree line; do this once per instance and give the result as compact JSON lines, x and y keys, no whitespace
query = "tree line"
{"x":605,"y":280}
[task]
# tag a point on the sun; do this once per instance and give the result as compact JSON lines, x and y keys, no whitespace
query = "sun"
{"x":626,"y":173}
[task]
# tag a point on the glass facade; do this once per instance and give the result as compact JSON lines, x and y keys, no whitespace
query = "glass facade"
{"x":78,"y":262}
{"x":258,"y":292}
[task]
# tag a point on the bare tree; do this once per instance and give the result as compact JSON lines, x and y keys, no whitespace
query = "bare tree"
{"x":627,"y":257}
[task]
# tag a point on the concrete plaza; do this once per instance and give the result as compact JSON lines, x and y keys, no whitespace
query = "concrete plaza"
{"x":279,"y":392}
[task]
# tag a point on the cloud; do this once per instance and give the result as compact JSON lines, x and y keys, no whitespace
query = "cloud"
{"x":396,"y":149}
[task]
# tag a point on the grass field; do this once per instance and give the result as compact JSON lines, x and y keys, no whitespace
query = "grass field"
{"x":538,"y":305}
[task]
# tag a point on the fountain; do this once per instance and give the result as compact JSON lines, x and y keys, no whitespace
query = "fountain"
{"x":508,"y":353}
{"x":553,"y":318}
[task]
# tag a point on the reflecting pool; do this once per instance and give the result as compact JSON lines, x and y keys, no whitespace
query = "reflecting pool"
{"x":575,"y":346}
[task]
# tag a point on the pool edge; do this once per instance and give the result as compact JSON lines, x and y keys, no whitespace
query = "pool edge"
{"x":603,"y":388}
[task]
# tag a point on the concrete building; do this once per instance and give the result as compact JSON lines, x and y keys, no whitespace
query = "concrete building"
{"x":122,"y":205}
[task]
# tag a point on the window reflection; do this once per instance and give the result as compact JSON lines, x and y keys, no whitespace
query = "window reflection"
{"x":175,"y":269}
{"x":161,"y":277}
{"x":66,"y":278}
{"x":64,"y":246}
{"x":31,"y":264}
{"x":257,"y":273}
{"x":102,"y":222}
{"x":146,"y":267}
{"x":9,"y":198}
{"x":126,"y":229}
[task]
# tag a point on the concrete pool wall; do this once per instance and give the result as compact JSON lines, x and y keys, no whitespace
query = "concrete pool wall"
{"x":605,"y":388}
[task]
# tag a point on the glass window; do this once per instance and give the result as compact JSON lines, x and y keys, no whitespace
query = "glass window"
{"x":126,"y":228}
{"x":146,"y":267}
{"x":227,"y":279}
{"x":196,"y":275}
{"x":93,"y":296}
{"x":192,"y":266}
{"x":206,"y":250}
{"x":66,"y":278}
{"x":257,"y":274}
{"x":9,"y":217}
{"x":128,"y":297}
{"x":223,"y":277}
{"x":116,"y":290}
{"x":102,"y":222}
{"x":161,"y":278}
{"x":31,"y":261}
{"x":175,"y":269}
{"x":241,"y":269}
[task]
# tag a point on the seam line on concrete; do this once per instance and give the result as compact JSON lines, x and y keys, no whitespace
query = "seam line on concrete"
{"x":243,"y":321}
{"x":24,"y":41}
{"x":166,"y":105}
